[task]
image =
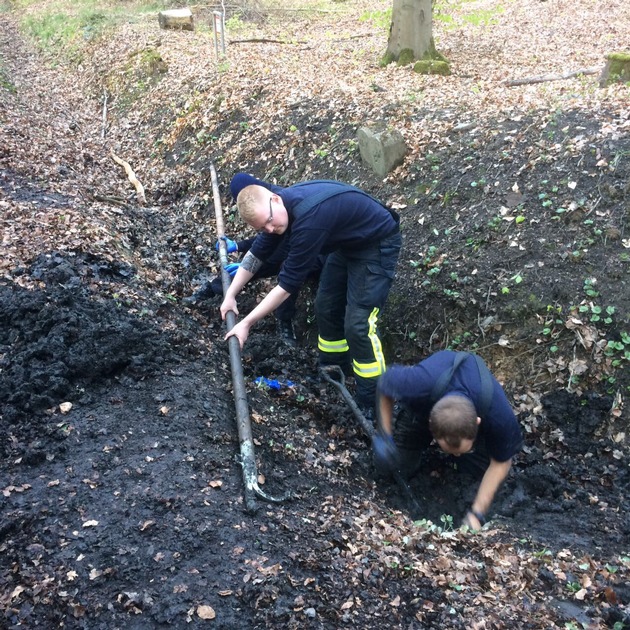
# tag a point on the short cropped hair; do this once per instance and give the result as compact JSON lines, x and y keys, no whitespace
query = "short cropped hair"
{"x":453,"y":419}
{"x":249,"y":199}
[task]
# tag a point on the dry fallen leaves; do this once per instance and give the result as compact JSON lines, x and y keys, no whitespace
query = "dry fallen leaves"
{"x":9,"y":489}
{"x":206,"y":612}
{"x":144,"y":526}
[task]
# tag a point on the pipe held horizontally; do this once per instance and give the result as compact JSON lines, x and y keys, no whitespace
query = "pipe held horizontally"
{"x":248,"y":458}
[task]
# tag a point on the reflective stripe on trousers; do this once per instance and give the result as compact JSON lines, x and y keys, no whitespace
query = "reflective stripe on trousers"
{"x":374,"y":368}
{"x":332,"y":347}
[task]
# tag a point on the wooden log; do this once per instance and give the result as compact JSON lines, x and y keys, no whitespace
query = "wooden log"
{"x":177,"y":19}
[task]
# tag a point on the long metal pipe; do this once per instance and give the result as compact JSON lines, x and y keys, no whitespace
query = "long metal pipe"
{"x":248,"y":457}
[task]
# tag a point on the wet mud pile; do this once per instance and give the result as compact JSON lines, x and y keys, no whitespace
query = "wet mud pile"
{"x":126,"y":510}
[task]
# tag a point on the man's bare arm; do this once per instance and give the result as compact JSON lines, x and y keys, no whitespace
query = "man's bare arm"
{"x":248,"y":267}
{"x":270,"y":303}
{"x":493,"y":478}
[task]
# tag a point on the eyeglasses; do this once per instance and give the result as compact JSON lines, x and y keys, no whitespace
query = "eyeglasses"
{"x":270,"y":218}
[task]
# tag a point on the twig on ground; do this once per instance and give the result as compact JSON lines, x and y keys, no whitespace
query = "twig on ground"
{"x":131,"y":176}
{"x":264,"y":40}
{"x":488,"y":298}
{"x":434,"y":334}
{"x":551,"y":77}
{"x":571,"y":372}
{"x":104,"y":126}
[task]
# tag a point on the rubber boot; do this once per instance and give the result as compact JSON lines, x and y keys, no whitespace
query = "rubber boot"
{"x":206,"y":291}
{"x":286,"y":332}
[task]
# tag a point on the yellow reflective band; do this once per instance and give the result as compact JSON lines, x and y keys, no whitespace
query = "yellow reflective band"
{"x":367,"y":370}
{"x":332,"y":346}
{"x":375,"y":341}
{"x":377,"y":367}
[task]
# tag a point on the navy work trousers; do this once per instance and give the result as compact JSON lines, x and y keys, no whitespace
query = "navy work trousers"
{"x":353,"y":289}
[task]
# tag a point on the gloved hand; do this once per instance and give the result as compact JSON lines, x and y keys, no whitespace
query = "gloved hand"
{"x":230,"y":245}
{"x":232,"y":268}
{"x":386,"y":455}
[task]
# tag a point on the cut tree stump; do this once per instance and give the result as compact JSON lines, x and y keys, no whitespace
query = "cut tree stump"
{"x":616,"y":70}
{"x":177,"y":19}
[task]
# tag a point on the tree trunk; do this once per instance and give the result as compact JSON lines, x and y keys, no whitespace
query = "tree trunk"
{"x":411,"y":30}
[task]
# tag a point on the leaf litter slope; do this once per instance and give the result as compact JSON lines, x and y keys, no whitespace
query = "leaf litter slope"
{"x":126,"y":510}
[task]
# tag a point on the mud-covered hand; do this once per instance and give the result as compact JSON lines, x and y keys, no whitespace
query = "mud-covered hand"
{"x":232,"y":268}
{"x":474,"y":520}
{"x":386,"y":455}
{"x":230,"y":245}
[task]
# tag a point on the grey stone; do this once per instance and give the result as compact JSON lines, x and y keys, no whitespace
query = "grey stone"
{"x":382,"y":150}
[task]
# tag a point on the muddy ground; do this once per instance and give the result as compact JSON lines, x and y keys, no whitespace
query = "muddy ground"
{"x":122,"y":494}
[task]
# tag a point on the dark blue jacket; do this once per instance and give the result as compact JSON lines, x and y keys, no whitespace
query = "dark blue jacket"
{"x":412,"y":386}
{"x":350,"y":221}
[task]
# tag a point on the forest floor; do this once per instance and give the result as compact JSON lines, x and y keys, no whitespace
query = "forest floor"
{"x":121,"y":493}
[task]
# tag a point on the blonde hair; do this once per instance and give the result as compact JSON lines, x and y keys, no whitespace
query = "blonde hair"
{"x":249,"y":200}
{"x":453,"y":419}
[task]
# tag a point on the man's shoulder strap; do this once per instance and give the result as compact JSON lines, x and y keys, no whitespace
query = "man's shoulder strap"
{"x":443,"y":381}
{"x":487,"y":385}
{"x":310,"y":202}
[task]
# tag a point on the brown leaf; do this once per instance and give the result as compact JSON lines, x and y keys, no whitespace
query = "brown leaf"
{"x":206,"y":612}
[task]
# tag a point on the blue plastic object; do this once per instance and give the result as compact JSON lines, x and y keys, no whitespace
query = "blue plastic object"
{"x":272,"y":383}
